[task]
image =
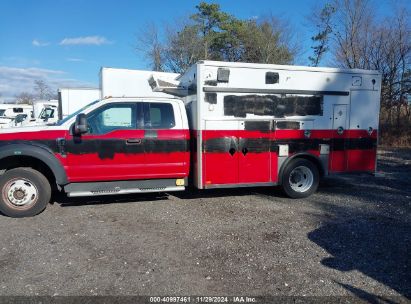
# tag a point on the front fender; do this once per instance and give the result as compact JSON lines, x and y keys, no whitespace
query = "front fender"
{"x":42,"y":153}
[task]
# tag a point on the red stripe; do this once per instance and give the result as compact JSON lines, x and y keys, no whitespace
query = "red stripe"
{"x":222,"y":168}
{"x":90,"y":167}
{"x":287,"y":134}
{"x":173,"y":134}
{"x":209,"y":134}
{"x":360,"y":160}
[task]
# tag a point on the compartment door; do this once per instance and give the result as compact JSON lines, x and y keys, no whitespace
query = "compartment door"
{"x":363,"y":117}
{"x":254,"y":152}
{"x":220,"y":152}
{"x":339,"y":152}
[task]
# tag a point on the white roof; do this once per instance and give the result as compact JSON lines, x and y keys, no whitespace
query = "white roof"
{"x":286,"y":67}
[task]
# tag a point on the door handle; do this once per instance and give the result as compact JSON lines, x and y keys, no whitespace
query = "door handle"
{"x":133,"y":141}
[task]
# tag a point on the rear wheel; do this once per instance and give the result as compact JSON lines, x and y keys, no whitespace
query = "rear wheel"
{"x":300,"y":178}
{"x":24,"y":192}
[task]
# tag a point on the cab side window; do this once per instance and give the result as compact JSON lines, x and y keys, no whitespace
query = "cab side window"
{"x":111,"y":117}
{"x":158,"y":115}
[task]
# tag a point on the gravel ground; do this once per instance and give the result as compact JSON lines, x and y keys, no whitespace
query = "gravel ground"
{"x":352,"y":238}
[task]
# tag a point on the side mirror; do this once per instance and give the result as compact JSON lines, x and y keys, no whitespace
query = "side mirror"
{"x":80,"y":126}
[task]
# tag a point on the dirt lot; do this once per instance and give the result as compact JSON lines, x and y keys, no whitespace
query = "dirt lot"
{"x":352,"y":238}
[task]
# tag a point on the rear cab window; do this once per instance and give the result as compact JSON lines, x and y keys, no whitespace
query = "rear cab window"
{"x":158,"y":115}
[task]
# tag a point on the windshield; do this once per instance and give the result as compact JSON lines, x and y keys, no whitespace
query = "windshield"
{"x":60,"y":122}
{"x":2,"y":112}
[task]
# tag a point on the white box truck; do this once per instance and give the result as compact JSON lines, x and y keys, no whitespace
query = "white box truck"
{"x":73,"y":99}
{"x":10,"y":112}
{"x":44,"y":112}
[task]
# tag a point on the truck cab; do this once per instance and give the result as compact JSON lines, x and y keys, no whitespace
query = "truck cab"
{"x":111,"y":146}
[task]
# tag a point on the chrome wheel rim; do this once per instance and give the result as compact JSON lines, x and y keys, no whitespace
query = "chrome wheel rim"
{"x":20,"y":193}
{"x":301,"y":179}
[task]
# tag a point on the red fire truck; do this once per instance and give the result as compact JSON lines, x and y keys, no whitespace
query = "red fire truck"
{"x":218,"y":125}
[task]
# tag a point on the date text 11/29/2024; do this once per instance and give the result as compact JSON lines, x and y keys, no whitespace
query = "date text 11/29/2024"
{"x":203,"y":299}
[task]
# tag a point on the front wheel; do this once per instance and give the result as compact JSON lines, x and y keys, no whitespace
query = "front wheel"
{"x":300,"y":178}
{"x":24,"y":192}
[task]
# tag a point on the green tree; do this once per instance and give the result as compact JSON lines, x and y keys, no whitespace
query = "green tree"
{"x":264,"y":42}
{"x":321,"y":39}
{"x":208,"y":21}
{"x":183,"y":49}
{"x":211,"y":34}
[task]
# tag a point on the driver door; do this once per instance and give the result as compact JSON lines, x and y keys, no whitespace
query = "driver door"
{"x":112,"y":149}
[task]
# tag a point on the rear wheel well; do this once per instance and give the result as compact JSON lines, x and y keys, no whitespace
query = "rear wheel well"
{"x":308,"y":157}
{"x":16,"y":161}
{"x":315,"y":161}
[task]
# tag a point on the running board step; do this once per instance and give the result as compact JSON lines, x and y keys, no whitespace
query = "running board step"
{"x":125,"y":191}
{"x":124,"y":187}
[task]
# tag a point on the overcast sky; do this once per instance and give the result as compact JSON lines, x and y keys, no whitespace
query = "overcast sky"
{"x":65,"y":42}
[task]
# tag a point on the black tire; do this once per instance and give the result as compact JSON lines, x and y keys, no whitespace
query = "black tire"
{"x":302,"y":180}
{"x":32,"y":182}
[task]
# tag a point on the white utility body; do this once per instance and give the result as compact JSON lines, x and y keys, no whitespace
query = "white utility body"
{"x":73,"y":99}
{"x":279,"y":112}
